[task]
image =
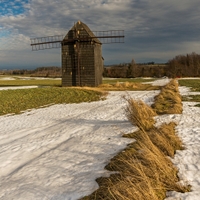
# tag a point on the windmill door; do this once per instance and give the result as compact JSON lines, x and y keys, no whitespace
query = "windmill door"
{"x":73,"y":63}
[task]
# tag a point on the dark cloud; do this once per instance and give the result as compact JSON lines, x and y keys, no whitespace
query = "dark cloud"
{"x":154,"y":29}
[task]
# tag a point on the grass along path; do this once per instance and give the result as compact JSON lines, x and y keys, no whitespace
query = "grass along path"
{"x":38,"y":82}
{"x":15,"y":101}
{"x":132,"y":80}
{"x":27,"y":81}
{"x":131,"y":86}
{"x":194,"y":84}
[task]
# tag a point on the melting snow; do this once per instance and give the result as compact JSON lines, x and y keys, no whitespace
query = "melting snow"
{"x":57,"y":152}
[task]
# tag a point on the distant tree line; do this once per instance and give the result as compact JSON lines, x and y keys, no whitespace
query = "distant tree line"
{"x":180,"y":66}
{"x":184,"y":66}
{"x":14,"y":72}
{"x":54,"y":72}
{"x":133,"y":70}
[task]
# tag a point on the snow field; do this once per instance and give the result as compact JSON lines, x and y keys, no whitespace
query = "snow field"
{"x":57,"y":152}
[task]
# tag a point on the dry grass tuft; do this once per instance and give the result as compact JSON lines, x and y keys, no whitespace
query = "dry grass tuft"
{"x":127,"y":84}
{"x":106,"y":85}
{"x":169,"y":100}
{"x":144,"y":170}
{"x":134,"y":86}
{"x":172,"y":85}
{"x":117,"y":84}
{"x":164,"y":138}
{"x":139,"y":113}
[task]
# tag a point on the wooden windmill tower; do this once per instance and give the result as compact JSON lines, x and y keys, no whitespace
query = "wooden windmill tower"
{"x":82,"y":61}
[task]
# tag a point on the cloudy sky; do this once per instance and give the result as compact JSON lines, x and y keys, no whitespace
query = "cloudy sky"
{"x":155,"y":30}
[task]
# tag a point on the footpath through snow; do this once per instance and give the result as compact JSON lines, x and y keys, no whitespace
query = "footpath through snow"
{"x":57,"y":152}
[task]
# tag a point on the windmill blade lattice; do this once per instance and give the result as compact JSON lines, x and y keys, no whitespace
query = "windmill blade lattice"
{"x":49,"y":42}
{"x":105,"y":37}
{"x":112,"y":36}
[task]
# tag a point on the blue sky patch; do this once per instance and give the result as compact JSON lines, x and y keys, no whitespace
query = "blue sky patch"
{"x":4,"y":33}
{"x":12,"y":7}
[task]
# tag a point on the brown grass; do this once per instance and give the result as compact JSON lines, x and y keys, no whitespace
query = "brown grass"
{"x":127,"y":84}
{"x":96,"y":89}
{"x":139,"y":113}
{"x":119,"y":86}
{"x":164,"y":138}
{"x":168,"y":101}
{"x":144,"y":170}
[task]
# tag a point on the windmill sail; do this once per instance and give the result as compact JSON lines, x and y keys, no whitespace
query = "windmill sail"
{"x":105,"y":37}
{"x":112,"y":36}
{"x":46,"y":42}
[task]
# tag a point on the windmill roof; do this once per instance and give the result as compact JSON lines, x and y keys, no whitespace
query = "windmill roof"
{"x":81,"y":26}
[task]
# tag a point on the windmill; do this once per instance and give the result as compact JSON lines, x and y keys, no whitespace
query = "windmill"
{"x":82,"y":61}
